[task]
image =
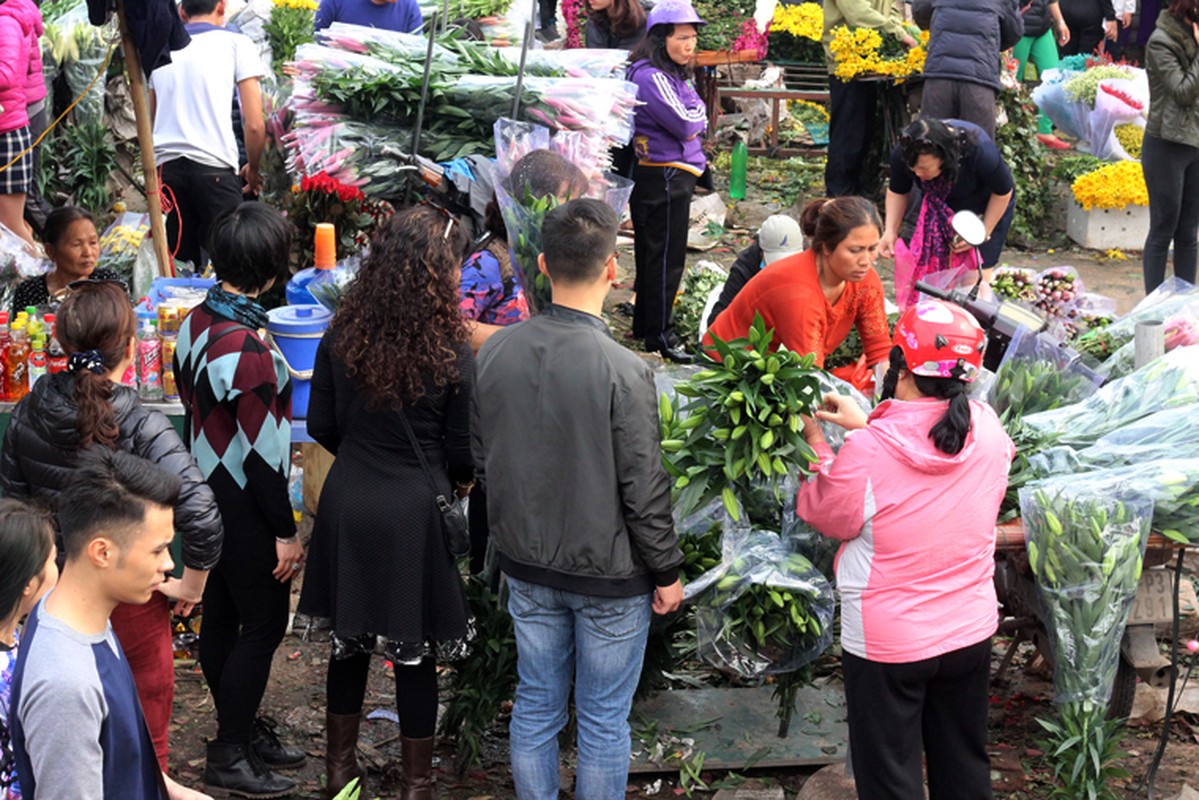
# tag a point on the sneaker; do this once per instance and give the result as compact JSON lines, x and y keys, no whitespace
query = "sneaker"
{"x":271,"y":750}
{"x":550,"y":34}
{"x":1052,"y":142}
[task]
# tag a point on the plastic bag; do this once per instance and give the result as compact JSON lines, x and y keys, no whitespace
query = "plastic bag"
{"x":1116,"y":101}
{"x":1070,"y":116}
{"x":768,"y":611}
{"x":1039,"y":372}
{"x":1180,"y":329}
{"x":1167,"y":382}
{"x":908,"y":271}
{"x":1085,"y":547}
{"x":330,"y":285}
{"x":1162,"y":435}
{"x":121,"y":241}
{"x":524,"y":208}
{"x":1016,"y":284}
{"x":1171,"y":484}
{"x":1058,"y":290}
{"x":18,"y":261}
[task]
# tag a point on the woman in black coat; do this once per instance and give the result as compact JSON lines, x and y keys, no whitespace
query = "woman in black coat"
{"x":70,"y":411}
{"x":396,"y":354}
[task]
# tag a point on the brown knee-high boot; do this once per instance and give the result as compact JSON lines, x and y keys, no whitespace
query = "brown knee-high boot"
{"x":341,"y":752}
{"x":418,"y":768}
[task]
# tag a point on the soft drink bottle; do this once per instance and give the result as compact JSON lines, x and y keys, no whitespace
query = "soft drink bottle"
{"x":740,"y":168}
{"x":16,"y":363}
{"x":56,"y":357}
{"x":149,"y":362}
{"x":5,"y":340}
{"x":37,"y":360}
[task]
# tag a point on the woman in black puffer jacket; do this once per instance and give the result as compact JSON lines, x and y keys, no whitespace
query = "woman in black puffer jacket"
{"x":70,"y":411}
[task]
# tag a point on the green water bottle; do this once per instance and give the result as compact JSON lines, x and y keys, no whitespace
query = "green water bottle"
{"x":740,"y":164}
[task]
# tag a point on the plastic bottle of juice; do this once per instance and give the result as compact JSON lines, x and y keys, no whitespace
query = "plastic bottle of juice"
{"x":56,"y":357}
{"x":5,"y":340}
{"x":16,"y":363}
{"x":149,"y":362}
{"x":37,"y":360}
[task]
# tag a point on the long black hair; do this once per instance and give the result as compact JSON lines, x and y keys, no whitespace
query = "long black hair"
{"x":950,"y":432}
{"x":652,"y":48}
{"x":25,"y":541}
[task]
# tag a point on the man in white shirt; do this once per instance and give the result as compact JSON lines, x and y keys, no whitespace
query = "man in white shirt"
{"x":194,"y":143}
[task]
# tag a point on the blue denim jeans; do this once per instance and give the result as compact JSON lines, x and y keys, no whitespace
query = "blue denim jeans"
{"x":600,"y":642}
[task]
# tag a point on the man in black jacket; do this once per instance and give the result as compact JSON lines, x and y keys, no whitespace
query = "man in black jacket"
{"x":961,"y":72}
{"x":565,"y":437}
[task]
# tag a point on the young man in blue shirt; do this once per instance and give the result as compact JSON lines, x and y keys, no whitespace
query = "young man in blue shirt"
{"x":77,"y":725}
{"x":402,"y":16}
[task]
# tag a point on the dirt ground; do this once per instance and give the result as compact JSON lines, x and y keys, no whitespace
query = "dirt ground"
{"x":296,"y":694}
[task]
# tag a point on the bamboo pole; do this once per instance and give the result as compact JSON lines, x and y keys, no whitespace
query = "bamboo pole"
{"x":145,"y":143}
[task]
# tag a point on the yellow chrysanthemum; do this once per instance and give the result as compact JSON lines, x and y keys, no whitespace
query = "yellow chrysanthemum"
{"x":1112,"y":186}
{"x":856,"y":52}
{"x":303,"y":5}
{"x":821,"y":110}
{"x":804,"y":21}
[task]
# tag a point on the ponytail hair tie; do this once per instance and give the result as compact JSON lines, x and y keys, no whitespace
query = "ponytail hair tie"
{"x":89,"y":360}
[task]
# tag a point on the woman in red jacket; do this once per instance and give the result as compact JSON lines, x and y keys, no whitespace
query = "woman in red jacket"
{"x":813,"y":298}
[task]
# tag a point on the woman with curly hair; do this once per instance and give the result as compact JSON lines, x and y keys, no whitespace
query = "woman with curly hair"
{"x":395,"y":365}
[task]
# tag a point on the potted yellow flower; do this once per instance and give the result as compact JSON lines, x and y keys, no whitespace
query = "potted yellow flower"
{"x":1110,"y":207}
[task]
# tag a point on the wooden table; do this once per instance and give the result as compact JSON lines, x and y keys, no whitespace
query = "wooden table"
{"x":776,"y":97}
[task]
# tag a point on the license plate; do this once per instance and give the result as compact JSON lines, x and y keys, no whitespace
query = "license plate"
{"x":1155,"y":598}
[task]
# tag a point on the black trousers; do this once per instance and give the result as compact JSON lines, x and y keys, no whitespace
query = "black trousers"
{"x":201,"y":194}
{"x":1084,"y":37}
{"x":1172,"y":175}
{"x":416,"y":692}
{"x":661,"y":211}
{"x":852,"y":109}
{"x":244,"y":621}
{"x":547,"y":11}
{"x":940,"y":703}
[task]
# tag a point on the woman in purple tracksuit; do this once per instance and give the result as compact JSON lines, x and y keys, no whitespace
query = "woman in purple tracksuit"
{"x":670,"y":157}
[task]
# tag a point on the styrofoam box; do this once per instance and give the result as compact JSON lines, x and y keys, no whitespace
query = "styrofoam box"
{"x":1107,"y":228}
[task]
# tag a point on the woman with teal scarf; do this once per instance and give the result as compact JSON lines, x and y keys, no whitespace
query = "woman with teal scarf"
{"x":236,"y":393}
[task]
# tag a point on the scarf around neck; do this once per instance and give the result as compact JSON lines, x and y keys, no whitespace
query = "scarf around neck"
{"x":236,"y":307}
{"x":934,"y":225}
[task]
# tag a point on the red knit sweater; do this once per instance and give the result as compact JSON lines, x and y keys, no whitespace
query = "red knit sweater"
{"x":788,"y":295}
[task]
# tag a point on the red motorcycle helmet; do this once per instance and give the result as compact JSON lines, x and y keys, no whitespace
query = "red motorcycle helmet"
{"x":941,"y":340}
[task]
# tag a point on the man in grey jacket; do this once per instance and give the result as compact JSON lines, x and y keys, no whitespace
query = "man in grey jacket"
{"x":565,"y":438}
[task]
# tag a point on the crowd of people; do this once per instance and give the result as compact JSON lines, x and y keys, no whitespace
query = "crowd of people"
{"x":440,"y":378}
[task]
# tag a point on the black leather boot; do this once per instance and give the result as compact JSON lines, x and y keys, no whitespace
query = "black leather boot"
{"x":341,"y":752}
{"x":418,"y":769}
{"x":271,"y":750}
{"x":240,"y":772}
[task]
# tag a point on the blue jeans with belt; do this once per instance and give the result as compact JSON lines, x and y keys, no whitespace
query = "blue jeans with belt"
{"x":599,"y":642}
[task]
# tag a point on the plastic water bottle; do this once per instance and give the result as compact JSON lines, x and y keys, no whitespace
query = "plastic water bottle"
{"x":37,"y":360}
{"x":740,"y":166}
{"x":149,"y":362}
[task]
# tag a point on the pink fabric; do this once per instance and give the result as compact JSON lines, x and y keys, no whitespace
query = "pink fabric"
{"x":35,"y":81}
{"x":14,"y":68}
{"x":914,"y":571}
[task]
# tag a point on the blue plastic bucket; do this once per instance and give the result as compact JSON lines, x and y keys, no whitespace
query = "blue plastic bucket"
{"x":294,"y":332}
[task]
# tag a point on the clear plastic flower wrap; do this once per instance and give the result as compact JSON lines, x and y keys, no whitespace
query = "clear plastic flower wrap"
{"x":1171,"y":296}
{"x":1116,"y":101}
{"x":1180,"y":329}
{"x":1085,"y":548}
{"x":577,"y":63}
{"x":120,"y":243}
{"x":524,"y":211}
{"x":1166,"y":382}
{"x":1068,"y":115}
{"x":18,"y":261}
{"x":330,"y":284}
{"x":765,"y":611}
{"x":1039,"y":372}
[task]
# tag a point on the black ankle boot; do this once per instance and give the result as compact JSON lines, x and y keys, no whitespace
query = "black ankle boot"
{"x":239,"y":771}
{"x":273,"y":752}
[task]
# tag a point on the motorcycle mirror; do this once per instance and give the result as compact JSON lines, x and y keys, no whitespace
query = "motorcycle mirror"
{"x":970,"y":227}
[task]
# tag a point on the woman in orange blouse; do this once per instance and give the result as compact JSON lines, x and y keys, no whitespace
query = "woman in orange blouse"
{"x":813,"y":298}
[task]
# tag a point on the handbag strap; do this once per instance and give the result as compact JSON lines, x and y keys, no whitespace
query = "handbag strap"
{"x":442,"y":502}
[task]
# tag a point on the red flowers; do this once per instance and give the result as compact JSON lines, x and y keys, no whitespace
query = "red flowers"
{"x":325,"y":184}
{"x":1123,"y":96}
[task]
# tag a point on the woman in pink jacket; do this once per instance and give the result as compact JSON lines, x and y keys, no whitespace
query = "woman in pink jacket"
{"x":16,"y":179}
{"x":914,"y":494}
